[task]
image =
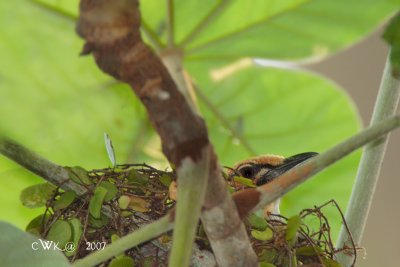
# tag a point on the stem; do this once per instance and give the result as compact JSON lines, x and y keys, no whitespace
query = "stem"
{"x":143,"y":234}
{"x":256,"y":198}
{"x":370,"y":164}
{"x":170,"y":23}
{"x":28,"y":159}
{"x":192,"y":180}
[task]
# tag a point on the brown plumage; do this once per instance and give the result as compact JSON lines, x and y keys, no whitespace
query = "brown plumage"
{"x":263,"y":169}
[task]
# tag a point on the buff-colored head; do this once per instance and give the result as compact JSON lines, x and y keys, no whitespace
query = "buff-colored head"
{"x":263,"y":169}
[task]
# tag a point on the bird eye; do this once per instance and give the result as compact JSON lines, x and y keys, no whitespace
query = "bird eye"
{"x":247,"y":172}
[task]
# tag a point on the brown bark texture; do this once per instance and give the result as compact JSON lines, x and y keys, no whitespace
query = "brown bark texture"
{"x":112,"y":35}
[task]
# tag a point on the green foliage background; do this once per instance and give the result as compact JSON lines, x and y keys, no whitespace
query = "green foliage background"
{"x":59,"y":104}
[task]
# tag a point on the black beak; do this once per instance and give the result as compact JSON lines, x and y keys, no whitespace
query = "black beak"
{"x":287,"y":164}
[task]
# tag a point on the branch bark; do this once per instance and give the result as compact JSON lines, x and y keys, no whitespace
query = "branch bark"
{"x":50,"y":171}
{"x":111,"y":31}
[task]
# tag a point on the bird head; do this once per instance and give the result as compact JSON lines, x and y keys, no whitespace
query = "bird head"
{"x":263,"y":169}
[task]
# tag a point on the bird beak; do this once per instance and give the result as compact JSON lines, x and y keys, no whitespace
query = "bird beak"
{"x":287,"y":164}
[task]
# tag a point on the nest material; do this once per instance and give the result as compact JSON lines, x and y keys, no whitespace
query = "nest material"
{"x":277,"y":240}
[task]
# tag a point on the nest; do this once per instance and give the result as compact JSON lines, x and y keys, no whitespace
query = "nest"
{"x":136,"y":194}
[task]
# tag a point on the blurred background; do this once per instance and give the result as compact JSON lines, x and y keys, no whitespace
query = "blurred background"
{"x":358,"y":70}
{"x":62,"y":91}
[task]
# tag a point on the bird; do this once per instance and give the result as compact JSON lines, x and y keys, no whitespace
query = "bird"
{"x":264,"y":169}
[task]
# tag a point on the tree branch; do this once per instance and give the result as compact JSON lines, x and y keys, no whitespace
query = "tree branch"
{"x":50,"y":171}
{"x":111,"y":31}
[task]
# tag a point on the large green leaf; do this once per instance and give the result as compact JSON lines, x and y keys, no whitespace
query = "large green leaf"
{"x":285,"y":29}
{"x":282,"y":112}
{"x":20,"y":249}
{"x":60,"y":105}
{"x":57,"y":103}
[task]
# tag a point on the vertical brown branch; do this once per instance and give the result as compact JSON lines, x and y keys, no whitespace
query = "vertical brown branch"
{"x":111,"y":31}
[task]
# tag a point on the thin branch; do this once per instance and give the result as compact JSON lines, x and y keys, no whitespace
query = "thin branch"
{"x":370,"y":164}
{"x":143,"y":234}
{"x":50,"y":171}
{"x":256,"y":198}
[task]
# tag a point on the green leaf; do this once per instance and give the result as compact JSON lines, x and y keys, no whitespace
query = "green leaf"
{"x":392,"y":37}
{"x":111,"y":188}
{"x":18,"y":248}
{"x":76,"y":227}
{"x":166,"y":179}
{"x":244,"y":181}
{"x":264,"y":235}
{"x":36,"y":196}
{"x":60,"y":232}
{"x":123,"y":202}
{"x":266,"y":264}
{"x":66,"y":199}
{"x":124,"y":261}
{"x":134,"y":177}
{"x":259,"y":111}
{"x":79,"y":175}
{"x":284,"y":29}
{"x":98,"y":223}
{"x":96,"y":201}
{"x":308,"y":251}
{"x":268,"y":255}
{"x":36,"y":224}
{"x":257,"y":222}
{"x":293,"y":225}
